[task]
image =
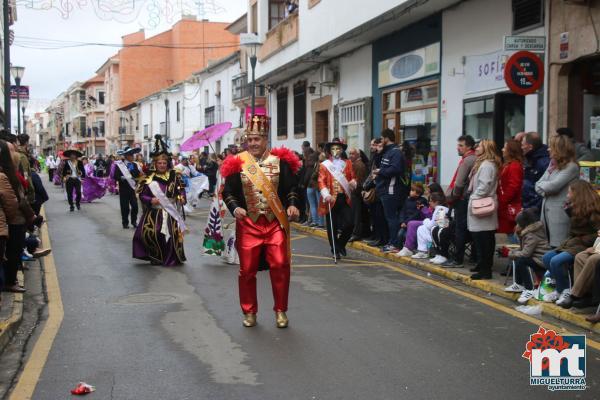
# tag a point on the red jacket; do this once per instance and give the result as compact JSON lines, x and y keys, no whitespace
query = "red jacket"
{"x":510,"y":186}
{"x":326,"y":181}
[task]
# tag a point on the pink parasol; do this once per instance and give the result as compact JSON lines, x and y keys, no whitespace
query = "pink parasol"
{"x":206,"y":137}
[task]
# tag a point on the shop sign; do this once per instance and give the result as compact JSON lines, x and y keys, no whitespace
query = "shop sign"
{"x":414,"y":65}
{"x":485,"y":72}
{"x":21,"y":92}
{"x":524,"y":73}
{"x":564,"y":45}
{"x":529,"y":43}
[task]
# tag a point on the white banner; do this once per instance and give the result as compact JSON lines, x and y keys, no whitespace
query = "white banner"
{"x":485,"y":72}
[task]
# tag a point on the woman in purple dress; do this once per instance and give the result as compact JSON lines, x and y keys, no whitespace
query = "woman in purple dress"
{"x":158,"y":237}
{"x":111,"y":184}
{"x":92,"y":187}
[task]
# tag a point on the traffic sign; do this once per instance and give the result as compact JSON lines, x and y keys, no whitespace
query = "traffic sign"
{"x":21,"y":92}
{"x":529,"y":43}
{"x":524,"y":73}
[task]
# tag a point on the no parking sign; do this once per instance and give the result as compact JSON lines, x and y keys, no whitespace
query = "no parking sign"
{"x":524,"y":73}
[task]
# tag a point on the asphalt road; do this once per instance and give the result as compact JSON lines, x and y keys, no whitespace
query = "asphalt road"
{"x":357,"y":330}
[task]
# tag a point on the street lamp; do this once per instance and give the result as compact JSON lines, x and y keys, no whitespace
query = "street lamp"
{"x":17,"y":74}
{"x":24,"y":104}
{"x":251,"y":42}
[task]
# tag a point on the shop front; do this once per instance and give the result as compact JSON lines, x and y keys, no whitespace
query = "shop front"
{"x":406,"y":93}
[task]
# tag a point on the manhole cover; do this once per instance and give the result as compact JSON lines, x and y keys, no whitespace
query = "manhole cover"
{"x":148,"y":298}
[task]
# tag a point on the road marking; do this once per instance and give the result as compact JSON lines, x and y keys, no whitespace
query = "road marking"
{"x":593,"y":344}
{"x":298,"y":237}
{"x":329,"y":265}
{"x":331,"y":259}
{"x":35,"y":365}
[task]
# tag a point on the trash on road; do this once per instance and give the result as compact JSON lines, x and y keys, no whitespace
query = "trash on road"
{"x":83,"y":388}
{"x":530,"y":310}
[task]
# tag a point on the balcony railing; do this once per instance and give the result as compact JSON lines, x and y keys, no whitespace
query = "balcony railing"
{"x":241,"y":89}
{"x":213,"y":115}
{"x":281,"y":36}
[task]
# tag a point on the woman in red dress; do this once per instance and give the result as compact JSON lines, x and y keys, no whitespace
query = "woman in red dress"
{"x":510,"y":186}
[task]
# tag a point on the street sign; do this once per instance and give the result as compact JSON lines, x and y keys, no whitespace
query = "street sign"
{"x":528,"y":43}
{"x":524,"y":73}
{"x":23,"y":92}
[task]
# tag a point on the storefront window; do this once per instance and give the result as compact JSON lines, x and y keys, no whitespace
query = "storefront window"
{"x":389,"y":101}
{"x":479,"y":118}
{"x":415,"y":123}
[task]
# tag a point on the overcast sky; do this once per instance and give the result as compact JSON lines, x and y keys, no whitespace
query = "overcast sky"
{"x":49,"y":72}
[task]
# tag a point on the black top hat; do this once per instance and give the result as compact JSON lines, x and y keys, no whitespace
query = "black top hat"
{"x":68,"y":153}
{"x":129,"y":151}
{"x":161,"y":148}
{"x":337,"y":141}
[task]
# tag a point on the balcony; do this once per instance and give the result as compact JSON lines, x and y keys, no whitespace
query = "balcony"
{"x":242,"y":91}
{"x":279,"y":37}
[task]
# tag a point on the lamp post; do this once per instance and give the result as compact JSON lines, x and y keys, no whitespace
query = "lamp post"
{"x":24,"y":104}
{"x":251,"y":42}
{"x":17,"y":74}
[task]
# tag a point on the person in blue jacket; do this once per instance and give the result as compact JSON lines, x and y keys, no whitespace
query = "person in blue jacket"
{"x":391,"y":186}
{"x":536,"y":163}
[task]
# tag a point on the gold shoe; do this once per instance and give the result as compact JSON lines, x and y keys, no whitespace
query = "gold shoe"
{"x":281,"y":319}
{"x":249,"y":320}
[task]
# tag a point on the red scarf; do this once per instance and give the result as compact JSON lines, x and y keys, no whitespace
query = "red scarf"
{"x":23,"y":181}
{"x":453,"y":182}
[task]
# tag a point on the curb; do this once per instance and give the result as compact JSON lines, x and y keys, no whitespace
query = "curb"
{"x":9,"y":326}
{"x":486,"y":286}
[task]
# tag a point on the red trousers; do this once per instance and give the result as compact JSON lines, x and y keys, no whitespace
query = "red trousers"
{"x":268,"y":238}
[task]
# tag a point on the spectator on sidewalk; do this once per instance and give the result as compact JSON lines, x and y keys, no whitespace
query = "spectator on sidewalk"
{"x":391,"y":186}
{"x":528,"y":257}
{"x":534,"y":165}
{"x":306,"y":182}
{"x":411,"y":211}
{"x":439,"y":219}
{"x":583,"y":211}
{"x":457,"y":197}
{"x":483,"y":185}
{"x":9,"y":207}
{"x":378,"y":223}
{"x":359,"y":165}
{"x":24,"y":166}
{"x":554,"y":185}
{"x":509,"y":187}
{"x":582,"y":152}
{"x":585,"y":266}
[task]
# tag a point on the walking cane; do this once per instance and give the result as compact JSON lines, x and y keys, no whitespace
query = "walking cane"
{"x":332,"y":233}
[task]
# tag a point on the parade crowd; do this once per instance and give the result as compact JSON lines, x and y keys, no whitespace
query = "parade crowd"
{"x":528,"y":191}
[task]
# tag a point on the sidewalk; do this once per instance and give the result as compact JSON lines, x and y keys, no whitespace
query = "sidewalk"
{"x":11,"y":314}
{"x":495,"y":286}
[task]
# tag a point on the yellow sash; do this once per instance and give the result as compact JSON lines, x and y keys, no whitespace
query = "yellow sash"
{"x":260,"y":180}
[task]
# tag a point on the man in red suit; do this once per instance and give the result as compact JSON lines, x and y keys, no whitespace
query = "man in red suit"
{"x":260,"y":192}
{"x":336,"y":183}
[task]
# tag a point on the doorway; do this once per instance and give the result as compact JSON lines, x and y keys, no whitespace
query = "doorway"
{"x":321,"y":126}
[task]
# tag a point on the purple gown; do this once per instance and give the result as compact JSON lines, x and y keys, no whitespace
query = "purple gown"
{"x":111,"y":184}
{"x":57,"y":178}
{"x":149,"y":243}
{"x":92,"y":187}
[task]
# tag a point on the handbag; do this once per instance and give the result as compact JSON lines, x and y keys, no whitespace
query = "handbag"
{"x":483,"y":207}
{"x":368,"y":196}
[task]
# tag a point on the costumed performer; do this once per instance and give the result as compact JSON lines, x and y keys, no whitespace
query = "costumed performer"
{"x":126,"y":173}
{"x":336,"y":183}
{"x":195,"y":183}
{"x":92,"y":187}
{"x":72,"y":174}
{"x":159,"y":235}
{"x":260,"y":192}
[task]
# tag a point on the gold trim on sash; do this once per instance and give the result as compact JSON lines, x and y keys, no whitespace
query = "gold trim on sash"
{"x":260,"y":180}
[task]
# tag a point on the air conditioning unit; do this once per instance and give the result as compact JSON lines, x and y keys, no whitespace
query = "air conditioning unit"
{"x":327,"y":77}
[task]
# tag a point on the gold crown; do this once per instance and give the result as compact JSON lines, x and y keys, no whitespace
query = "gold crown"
{"x":257,"y":125}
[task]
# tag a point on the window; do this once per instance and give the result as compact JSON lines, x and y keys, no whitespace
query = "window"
{"x":478,"y":118}
{"x":412,"y":113}
{"x":100,"y":124}
{"x":527,"y":14}
{"x":178,"y":111}
{"x":209,"y":116}
{"x":352,"y":122}
{"x":82,"y":126}
{"x":146,"y":131}
{"x":300,"y":109}
{"x":282,"y":109}
{"x":276,"y":12}
{"x":101,"y":97}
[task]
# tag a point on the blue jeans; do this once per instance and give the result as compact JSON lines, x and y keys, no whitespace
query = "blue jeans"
{"x":391,"y":210}
{"x":558,"y":264}
{"x":313,"y":200}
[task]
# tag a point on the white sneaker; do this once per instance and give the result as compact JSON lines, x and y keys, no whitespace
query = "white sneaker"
{"x":420,"y":255}
{"x":526,"y":295}
{"x":405,"y":252}
{"x":514,"y":288}
{"x":438,"y":260}
{"x":564,"y":296}
{"x":551,"y":297}
{"x":26,"y":253}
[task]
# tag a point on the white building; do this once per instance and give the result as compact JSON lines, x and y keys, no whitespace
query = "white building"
{"x":412,"y":67}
